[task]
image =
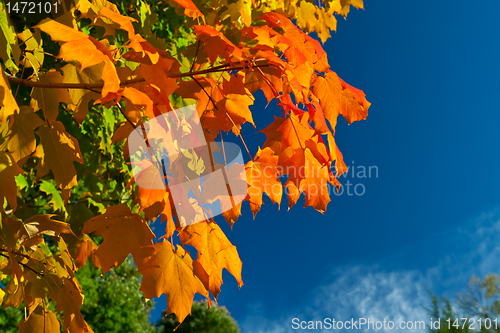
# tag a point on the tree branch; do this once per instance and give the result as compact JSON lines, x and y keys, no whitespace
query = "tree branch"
{"x":24,"y":265}
{"x":90,"y":86}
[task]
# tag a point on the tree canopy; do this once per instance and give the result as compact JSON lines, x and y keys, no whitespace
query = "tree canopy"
{"x":117,"y":115}
{"x":202,"y":319}
{"x":476,"y":310}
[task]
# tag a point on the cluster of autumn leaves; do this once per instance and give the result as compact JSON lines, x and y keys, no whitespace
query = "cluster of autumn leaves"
{"x":229,"y":60}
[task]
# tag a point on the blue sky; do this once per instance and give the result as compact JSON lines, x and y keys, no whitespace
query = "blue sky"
{"x":430,"y":219}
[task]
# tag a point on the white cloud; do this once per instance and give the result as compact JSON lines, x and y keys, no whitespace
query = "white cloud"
{"x":371,"y":292}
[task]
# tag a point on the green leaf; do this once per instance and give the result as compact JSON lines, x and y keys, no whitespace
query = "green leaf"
{"x":21,"y":182}
{"x":100,"y":206}
{"x":56,"y":200}
{"x":9,"y":50}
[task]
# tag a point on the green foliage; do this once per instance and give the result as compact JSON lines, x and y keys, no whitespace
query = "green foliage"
{"x":480,"y":301}
{"x":441,"y":311}
{"x":483,"y":297}
{"x":216,"y":320}
{"x":9,"y":317}
{"x":113,"y":302}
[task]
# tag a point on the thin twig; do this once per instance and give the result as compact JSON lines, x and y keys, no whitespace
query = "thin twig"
{"x":126,"y":117}
{"x":281,"y":108}
{"x":63,"y":85}
{"x":195,"y":56}
{"x":24,"y":265}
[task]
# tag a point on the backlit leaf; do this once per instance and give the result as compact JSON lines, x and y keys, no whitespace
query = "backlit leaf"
{"x":8,"y":172}
{"x":337,"y":97}
{"x":215,"y":252}
{"x":169,"y":272}
{"x":123,"y":233}
{"x":40,"y":321}
{"x":20,"y":139}
{"x":57,"y":151}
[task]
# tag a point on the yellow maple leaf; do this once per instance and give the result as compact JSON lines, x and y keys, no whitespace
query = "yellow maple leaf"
{"x":8,"y":104}
{"x":8,"y":172}
{"x":40,"y":321}
{"x":57,"y":151}
{"x":20,"y":140}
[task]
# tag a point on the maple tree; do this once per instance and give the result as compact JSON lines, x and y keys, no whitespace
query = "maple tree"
{"x":75,"y":87}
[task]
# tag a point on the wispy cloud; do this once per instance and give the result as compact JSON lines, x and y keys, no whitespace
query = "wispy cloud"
{"x":378,"y":293}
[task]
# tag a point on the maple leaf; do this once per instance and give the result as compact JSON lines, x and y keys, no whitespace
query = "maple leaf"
{"x":216,"y":44}
{"x":69,"y":300}
{"x":20,"y":139}
{"x":137,"y":42}
{"x":57,"y":151}
{"x":123,"y":233}
{"x":138,"y":98}
{"x":36,"y":226}
{"x":84,"y":49}
{"x":240,"y":12}
{"x":267,"y":79}
{"x":80,"y":98}
{"x":194,"y":90}
{"x":297,"y":45}
{"x":148,"y":195}
{"x":40,"y":321}
{"x":8,"y":172}
{"x":273,"y":136}
{"x":190,"y":9}
{"x":122,"y":132}
{"x":90,"y":9}
{"x":317,"y":115}
{"x":336,"y":155}
{"x":159,"y":79}
{"x":34,"y":55}
{"x":306,"y":17}
{"x":236,"y":102}
{"x":9,"y":49}
{"x":306,"y":175}
{"x":232,"y":214}
{"x":84,"y":248}
{"x":295,"y":130}
{"x":168,"y":271}
{"x":325,"y":23}
{"x":8,"y":104}
{"x":48,"y":100}
{"x":337,"y":97}
{"x":263,"y":177}
{"x":215,"y":252}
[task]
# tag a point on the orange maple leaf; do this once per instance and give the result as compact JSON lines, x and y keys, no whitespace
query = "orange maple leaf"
{"x":337,"y":97}
{"x":215,"y":252}
{"x":168,"y":271}
{"x":123,"y":233}
{"x":84,"y":49}
{"x":263,"y":177}
{"x":57,"y":151}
